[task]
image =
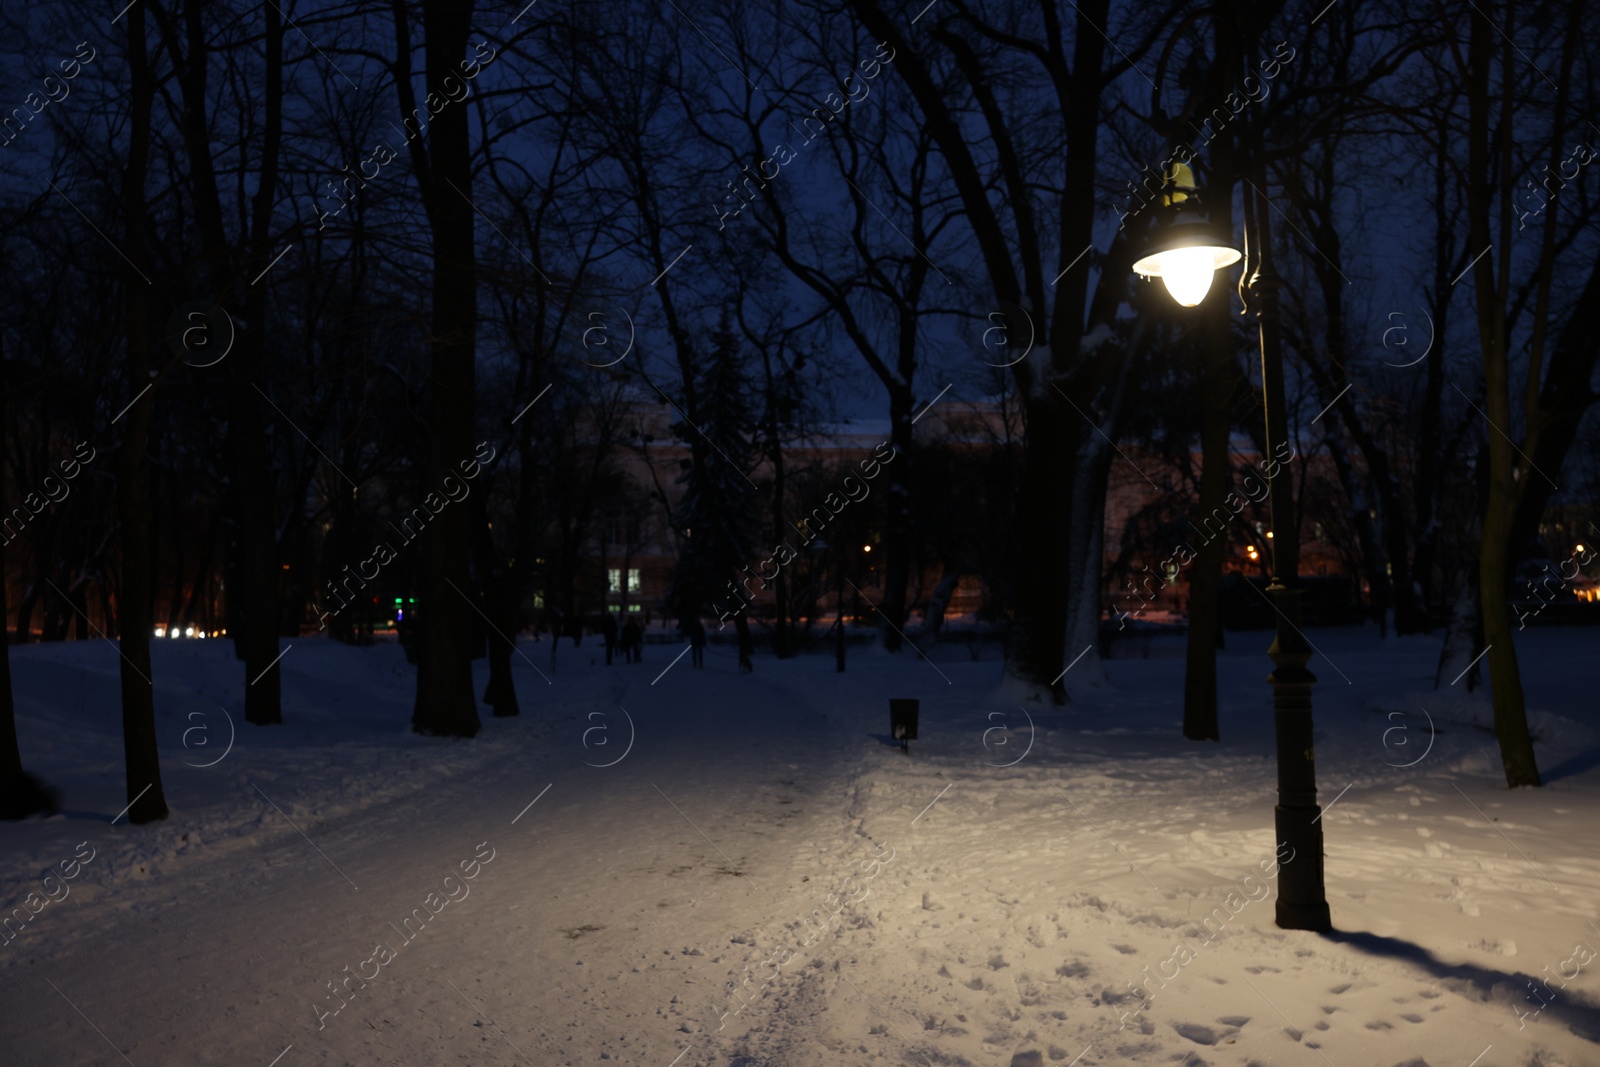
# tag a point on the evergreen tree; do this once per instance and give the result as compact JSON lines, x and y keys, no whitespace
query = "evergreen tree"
{"x":713,"y":519}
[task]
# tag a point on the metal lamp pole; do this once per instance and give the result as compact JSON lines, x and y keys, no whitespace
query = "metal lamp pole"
{"x":1302,"y":903}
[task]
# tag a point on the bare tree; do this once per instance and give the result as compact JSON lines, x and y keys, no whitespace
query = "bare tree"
{"x":442,"y":165}
{"x":142,"y":760}
{"x":1490,"y":188}
{"x":231,"y":268}
{"x":1033,"y":239}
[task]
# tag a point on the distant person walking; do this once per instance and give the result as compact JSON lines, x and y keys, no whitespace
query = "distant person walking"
{"x":747,"y":647}
{"x":696,"y":631}
{"x":608,"y":633}
{"x":632,"y":640}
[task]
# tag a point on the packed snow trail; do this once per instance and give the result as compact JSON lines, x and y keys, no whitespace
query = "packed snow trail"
{"x":760,"y":878}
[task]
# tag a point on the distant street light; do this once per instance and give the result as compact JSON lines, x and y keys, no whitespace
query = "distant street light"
{"x":1185,"y":251}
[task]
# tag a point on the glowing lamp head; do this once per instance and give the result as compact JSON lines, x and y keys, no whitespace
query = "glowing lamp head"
{"x":1186,"y":262}
{"x":1186,"y":248}
{"x":1187,"y":272}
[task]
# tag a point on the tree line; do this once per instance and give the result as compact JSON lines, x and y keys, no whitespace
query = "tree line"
{"x":286,"y":272}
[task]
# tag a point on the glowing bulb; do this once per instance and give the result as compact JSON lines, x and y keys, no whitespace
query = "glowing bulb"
{"x":189,"y":632}
{"x":1187,"y":273}
{"x":161,"y":631}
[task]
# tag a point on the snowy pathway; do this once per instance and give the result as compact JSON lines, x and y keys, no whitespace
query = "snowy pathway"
{"x":998,"y":911}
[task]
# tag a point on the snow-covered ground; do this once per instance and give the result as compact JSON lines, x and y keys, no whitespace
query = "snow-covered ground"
{"x":509,"y":900}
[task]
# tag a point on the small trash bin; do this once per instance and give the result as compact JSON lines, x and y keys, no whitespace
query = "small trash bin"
{"x":903,"y":721}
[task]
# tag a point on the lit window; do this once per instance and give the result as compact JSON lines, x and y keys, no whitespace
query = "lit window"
{"x":632,"y":608}
{"x":614,"y":580}
{"x":633,"y":579}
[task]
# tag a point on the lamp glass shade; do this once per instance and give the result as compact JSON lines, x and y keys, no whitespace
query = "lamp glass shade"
{"x":1185,"y":256}
{"x":1187,"y":273}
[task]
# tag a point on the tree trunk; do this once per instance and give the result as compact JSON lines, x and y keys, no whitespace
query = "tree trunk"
{"x":142,"y":763}
{"x":1041,"y":587}
{"x":14,"y":802}
{"x":782,"y":637}
{"x":939,"y":601}
{"x":898,"y":531}
{"x":198,"y":603}
{"x":24,"y":633}
{"x":500,"y":607}
{"x":1564,"y":399}
{"x":1041,"y":591}
{"x":1205,"y":573}
{"x":1460,"y":649}
{"x":1086,"y":543}
{"x":445,"y":704}
{"x":1505,"y":677}
{"x":253,"y":481}
{"x":253,"y":502}
{"x":1219,"y":380}
{"x":1430,"y":450}
{"x":1494,"y":554}
{"x":17,"y":800}
{"x":253,"y":561}
{"x":747,"y":644}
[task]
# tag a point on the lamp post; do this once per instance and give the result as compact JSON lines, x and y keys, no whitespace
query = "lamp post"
{"x":1185,"y":250}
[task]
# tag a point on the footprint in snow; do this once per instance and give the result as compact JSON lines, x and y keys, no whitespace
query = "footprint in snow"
{"x":1200,"y":1035}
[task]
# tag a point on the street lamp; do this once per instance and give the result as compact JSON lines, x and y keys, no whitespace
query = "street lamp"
{"x":1185,"y":250}
{"x":1188,"y":248}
